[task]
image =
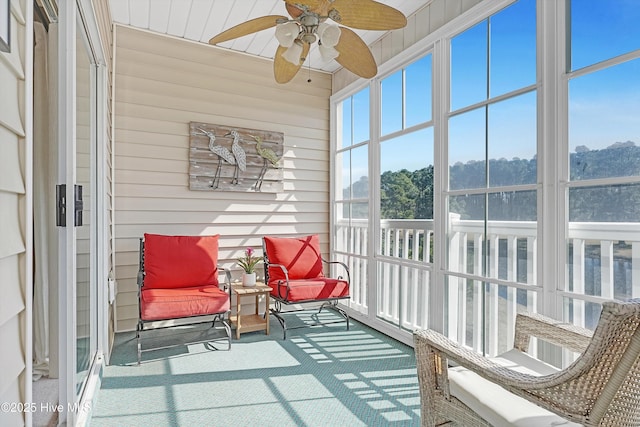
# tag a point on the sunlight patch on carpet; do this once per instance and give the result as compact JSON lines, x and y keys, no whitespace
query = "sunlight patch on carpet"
{"x":272,"y":355}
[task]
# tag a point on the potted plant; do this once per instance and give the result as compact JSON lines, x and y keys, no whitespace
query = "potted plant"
{"x":248,"y":263}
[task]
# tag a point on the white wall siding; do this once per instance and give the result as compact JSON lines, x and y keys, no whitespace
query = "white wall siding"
{"x":419,"y":25}
{"x":162,"y":84}
{"x":15,"y":215}
{"x":104,"y":26}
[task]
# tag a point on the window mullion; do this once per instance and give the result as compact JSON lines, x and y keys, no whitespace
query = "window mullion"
{"x":553,"y":152}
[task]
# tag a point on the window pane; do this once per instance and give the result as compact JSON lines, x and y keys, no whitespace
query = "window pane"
{"x":513,"y":47}
{"x":360,"y":211}
{"x":360,"y":172}
{"x":619,"y":203}
{"x":407,"y":176}
{"x":342,"y":176}
{"x":582,"y":313}
{"x":603,"y":123}
{"x":343,"y":179}
{"x":513,"y":206}
{"x":361,"y":116}
{"x":467,"y":207}
{"x":467,"y":150}
{"x":352,"y":227}
{"x":355,"y":173}
{"x":600,"y":267}
{"x":509,"y":249}
{"x":512,"y":141}
{"x":342,"y":215}
{"x":391,"y":103}
{"x":601,"y":30}
{"x":466,"y":234}
{"x":346,"y":124}
{"x":418,"y":92}
{"x":469,"y":67}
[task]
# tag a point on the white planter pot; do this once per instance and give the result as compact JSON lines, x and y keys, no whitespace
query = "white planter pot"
{"x":248,"y":279}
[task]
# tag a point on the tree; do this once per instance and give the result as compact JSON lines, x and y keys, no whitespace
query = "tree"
{"x":397,"y":195}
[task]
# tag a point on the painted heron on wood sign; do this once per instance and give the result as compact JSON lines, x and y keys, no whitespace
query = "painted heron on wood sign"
{"x":223,"y":153}
{"x":239,"y":154}
{"x":268,"y":157}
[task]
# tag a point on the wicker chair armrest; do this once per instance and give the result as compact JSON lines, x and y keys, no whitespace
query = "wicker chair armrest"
{"x":343,"y":265}
{"x":517,"y":382}
{"x":451,"y":350}
{"x":566,"y":335}
{"x":549,"y":391}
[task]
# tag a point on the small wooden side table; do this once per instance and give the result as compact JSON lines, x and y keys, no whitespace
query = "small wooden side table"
{"x":250,"y":322}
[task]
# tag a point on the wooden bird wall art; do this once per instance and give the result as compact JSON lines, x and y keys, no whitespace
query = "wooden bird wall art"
{"x":226,"y":158}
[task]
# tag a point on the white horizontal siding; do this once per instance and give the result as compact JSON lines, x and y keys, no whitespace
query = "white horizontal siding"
{"x":12,"y":302}
{"x":11,"y":177}
{"x":14,"y":218}
{"x":103,"y":16}
{"x":162,"y":84}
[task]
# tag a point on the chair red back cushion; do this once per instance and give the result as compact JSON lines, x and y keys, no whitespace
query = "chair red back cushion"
{"x":300,"y":255}
{"x":180,"y":261}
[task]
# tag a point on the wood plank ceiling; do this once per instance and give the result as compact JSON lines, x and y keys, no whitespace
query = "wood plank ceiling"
{"x":199,"y":20}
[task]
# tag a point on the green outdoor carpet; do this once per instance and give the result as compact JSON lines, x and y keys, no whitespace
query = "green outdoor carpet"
{"x":320,"y":376}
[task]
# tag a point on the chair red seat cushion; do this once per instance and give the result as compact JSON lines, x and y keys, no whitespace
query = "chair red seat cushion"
{"x":162,"y":303}
{"x":319,"y":288}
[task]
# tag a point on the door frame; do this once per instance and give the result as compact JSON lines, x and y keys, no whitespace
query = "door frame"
{"x":76,"y":408}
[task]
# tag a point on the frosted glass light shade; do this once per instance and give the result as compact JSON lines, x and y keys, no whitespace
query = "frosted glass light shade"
{"x":329,"y":34}
{"x":286,"y":33}
{"x":293,"y":53}
{"x":329,"y":37}
{"x":328,"y":53}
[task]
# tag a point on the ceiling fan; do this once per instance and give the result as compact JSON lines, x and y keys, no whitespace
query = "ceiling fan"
{"x":316,"y":20}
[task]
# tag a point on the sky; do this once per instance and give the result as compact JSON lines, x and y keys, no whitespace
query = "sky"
{"x":604,"y":106}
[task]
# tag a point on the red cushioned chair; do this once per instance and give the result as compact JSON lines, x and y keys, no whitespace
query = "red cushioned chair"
{"x":294,"y":271}
{"x":178,"y":279}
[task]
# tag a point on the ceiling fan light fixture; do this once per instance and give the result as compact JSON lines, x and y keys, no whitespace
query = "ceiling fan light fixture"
{"x":287,"y":33}
{"x":293,"y":53}
{"x":327,"y":22}
{"x":328,"y":53}
{"x":329,"y":34}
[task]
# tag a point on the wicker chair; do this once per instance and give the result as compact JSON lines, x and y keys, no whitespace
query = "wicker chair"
{"x":601,"y":388}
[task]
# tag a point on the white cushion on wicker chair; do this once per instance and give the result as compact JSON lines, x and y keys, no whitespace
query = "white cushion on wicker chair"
{"x":524,"y":363}
{"x":497,"y":405}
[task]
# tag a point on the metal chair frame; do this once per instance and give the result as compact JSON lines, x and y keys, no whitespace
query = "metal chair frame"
{"x":282,"y":300}
{"x":140,"y":327}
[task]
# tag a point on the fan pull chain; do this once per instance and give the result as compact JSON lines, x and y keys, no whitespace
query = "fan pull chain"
{"x":309,"y":68}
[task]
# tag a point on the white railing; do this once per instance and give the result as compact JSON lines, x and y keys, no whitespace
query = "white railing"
{"x":404,"y":271}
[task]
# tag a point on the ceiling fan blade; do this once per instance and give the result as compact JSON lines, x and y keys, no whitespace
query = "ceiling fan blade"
{"x":292,"y":10}
{"x":367,"y":15}
{"x":284,"y":70}
{"x":311,"y":4}
{"x":355,"y":55}
{"x":251,"y":26}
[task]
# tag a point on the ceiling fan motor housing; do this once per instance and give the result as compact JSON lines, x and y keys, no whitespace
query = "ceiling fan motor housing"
{"x":309,"y":22}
